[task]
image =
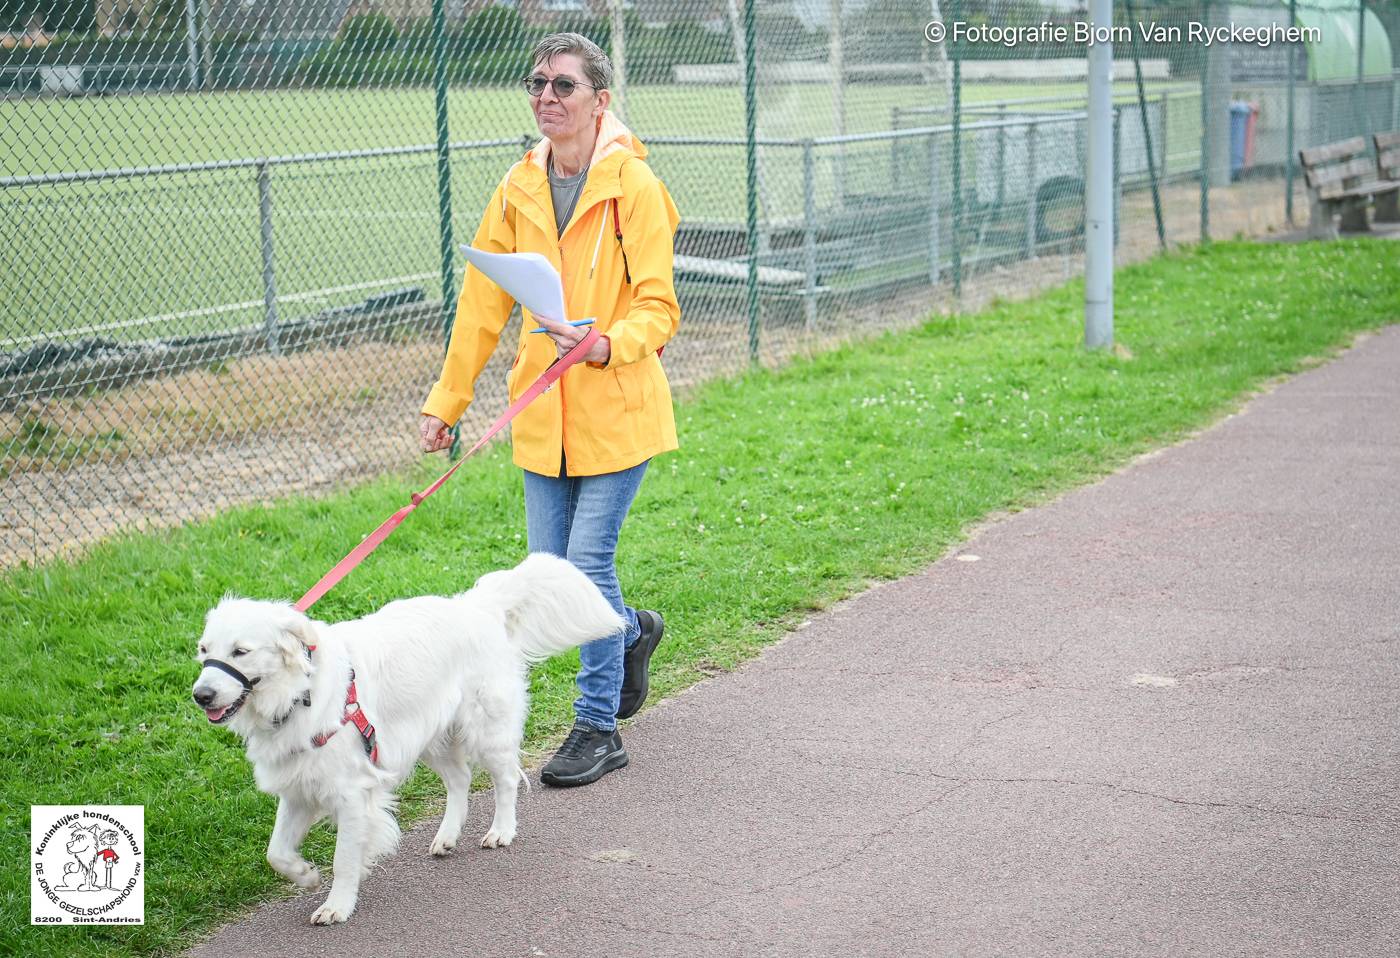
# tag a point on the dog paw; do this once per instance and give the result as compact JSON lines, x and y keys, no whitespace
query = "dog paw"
{"x":329,"y":914}
{"x":496,"y":839}
{"x":299,"y":872}
{"x":443,"y":846}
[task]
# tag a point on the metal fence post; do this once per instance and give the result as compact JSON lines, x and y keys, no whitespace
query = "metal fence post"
{"x":444,"y":167}
{"x":1365,"y":119}
{"x":1031,"y":176}
{"x":1288,"y":158}
{"x":1205,"y":136}
{"x":1001,"y":155}
{"x":1151,"y":164}
{"x":935,"y":269}
{"x":206,"y":44}
{"x":1117,"y":169}
{"x":192,"y":44}
{"x":957,"y":158}
{"x":751,"y":158}
{"x":809,"y":235}
{"x":269,"y":265}
{"x":1395,"y":100}
{"x":1165,"y":101}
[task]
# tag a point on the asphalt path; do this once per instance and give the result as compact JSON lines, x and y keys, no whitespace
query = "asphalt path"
{"x":1157,"y":716}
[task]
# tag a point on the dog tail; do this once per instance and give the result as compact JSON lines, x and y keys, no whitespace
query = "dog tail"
{"x":549,"y":606}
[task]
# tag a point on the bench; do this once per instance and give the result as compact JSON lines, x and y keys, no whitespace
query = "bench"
{"x":770,"y":277}
{"x":1341,"y":177}
{"x":1388,"y":168}
{"x":713,"y":284}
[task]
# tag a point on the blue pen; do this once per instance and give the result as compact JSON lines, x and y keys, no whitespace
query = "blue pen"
{"x":581,"y":322}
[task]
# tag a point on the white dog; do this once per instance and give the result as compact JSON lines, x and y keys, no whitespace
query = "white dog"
{"x":336,"y":716}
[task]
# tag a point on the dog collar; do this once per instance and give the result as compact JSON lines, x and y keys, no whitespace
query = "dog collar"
{"x":304,"y":700}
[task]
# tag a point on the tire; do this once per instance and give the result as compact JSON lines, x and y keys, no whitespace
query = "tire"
{"x":1059,"y":209}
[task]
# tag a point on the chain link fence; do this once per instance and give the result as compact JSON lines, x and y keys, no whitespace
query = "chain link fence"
{"x":230,"y":267}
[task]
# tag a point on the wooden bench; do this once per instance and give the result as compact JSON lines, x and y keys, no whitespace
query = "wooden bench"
{"x":1341,"y":177}
{"x":1388,"y":168}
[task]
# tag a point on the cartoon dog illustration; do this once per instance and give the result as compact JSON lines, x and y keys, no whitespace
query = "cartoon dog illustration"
{"x":85,"y":848}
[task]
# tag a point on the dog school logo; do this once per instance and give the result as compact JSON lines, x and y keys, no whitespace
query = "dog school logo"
{"x":87,"y":865}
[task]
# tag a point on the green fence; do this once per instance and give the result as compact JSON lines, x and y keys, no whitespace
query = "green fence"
{"x":231,"y":229}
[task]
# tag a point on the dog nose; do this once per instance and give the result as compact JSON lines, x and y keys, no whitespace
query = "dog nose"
{"x":203,"y":695}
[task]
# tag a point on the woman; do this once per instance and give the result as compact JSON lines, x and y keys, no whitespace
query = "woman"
{"x":584,"y":198}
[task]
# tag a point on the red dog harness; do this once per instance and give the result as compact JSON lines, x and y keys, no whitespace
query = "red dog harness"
{"x":355,"y":715}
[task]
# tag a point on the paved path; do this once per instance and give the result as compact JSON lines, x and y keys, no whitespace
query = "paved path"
{"x":1158,"y":716}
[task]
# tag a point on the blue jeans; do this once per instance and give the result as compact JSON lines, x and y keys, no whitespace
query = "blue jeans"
{"x":579,"y":518}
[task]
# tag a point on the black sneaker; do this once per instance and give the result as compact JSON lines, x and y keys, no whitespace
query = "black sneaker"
{"x":586,"y":756}
{"x":636,"y":662}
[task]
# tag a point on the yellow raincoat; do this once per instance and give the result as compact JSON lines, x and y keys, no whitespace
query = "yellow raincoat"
{"x":603,"y":417}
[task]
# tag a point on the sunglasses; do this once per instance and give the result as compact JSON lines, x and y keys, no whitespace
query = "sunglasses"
{"x":563,"y":86}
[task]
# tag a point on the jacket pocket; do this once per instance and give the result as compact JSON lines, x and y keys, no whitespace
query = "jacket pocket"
{"x":514,"y":374}
{"x":628,"y":385}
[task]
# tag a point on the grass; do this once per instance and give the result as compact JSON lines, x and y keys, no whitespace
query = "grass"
{"x":182,"y":252}
{"x":49,"y":135}
{"x":792,"y":489}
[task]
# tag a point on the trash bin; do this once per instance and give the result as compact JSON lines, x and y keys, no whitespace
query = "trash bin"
{"x":1242,"y":120}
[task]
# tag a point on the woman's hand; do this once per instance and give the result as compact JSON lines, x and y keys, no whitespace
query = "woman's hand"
{"x":434,"y":433}
{"x":566,"y":337}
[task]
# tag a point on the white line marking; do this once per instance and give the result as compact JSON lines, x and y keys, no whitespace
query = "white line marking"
{"x":216,"y":310}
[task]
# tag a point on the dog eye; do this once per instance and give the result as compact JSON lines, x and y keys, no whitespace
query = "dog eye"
{"x":238,"y":652}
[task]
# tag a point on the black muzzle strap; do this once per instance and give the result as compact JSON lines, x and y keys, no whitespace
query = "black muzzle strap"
{"x":225,"y":667}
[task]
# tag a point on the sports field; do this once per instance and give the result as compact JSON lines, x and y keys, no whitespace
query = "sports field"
{"x":138,"y":257}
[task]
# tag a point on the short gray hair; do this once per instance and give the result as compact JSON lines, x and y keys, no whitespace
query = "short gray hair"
{"x":597,"y":68}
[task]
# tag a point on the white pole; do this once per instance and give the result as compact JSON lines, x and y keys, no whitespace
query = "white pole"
{"x":1098,"y":186}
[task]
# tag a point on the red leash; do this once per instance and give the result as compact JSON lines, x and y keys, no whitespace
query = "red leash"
{"x":372,"y":541}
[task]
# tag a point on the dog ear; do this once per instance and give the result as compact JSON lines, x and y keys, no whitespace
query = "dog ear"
{"x":296,"y":635}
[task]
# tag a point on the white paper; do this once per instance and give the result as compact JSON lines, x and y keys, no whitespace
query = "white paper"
{"x":529,"y":277}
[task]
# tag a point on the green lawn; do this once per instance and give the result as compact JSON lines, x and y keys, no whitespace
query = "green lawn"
{"x":92,"y":133}
{"x":792,"y":489}
{"x":185,"y":249}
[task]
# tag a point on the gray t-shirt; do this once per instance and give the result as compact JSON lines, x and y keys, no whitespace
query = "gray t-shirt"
{"x":565,"y":190}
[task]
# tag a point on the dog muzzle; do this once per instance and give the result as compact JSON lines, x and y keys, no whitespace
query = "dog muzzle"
{"x":204,"y":697}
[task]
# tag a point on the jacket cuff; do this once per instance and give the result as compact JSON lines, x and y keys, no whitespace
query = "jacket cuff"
{"x":446,"y":405}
